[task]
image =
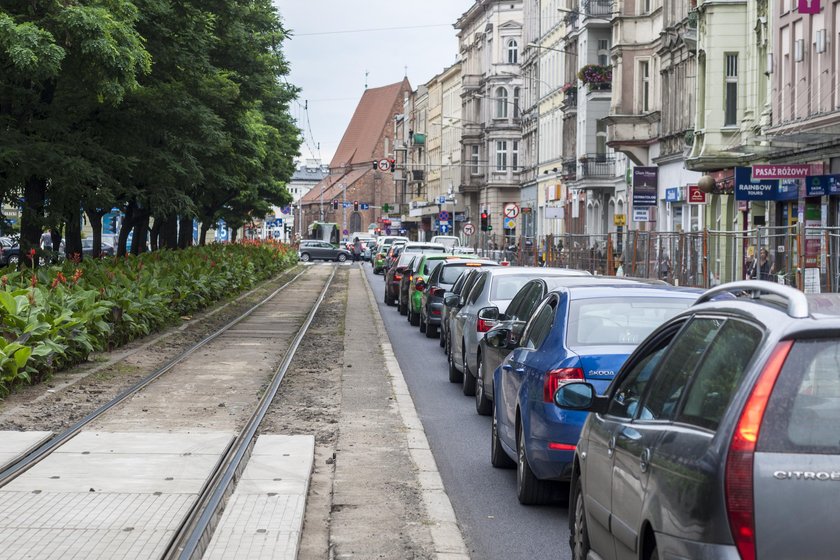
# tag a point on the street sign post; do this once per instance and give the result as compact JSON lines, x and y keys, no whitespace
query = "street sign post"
{"x":511,"y":210}
{"x":441,"y":199}
{"x":468,"y":229}
{"x":443,"y":216}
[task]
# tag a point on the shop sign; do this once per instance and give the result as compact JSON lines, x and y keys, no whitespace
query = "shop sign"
{"x":620,"y":219}
{"x":645,"y":184}
{"x":640,"y":215}
{"x":821,"y":185}
{"x":749,"y":188}
{"x":791,"y":171}
{"x":674,"y":194}
{"x":695,"y":195}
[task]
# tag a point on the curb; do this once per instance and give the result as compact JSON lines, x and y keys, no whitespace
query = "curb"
{"x":446,"y":535}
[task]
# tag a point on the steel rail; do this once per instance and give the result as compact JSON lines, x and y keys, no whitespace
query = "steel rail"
{"x":25,"y":462}
{"x":185,"y":544}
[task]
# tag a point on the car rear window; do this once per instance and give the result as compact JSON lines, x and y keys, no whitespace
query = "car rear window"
{"x":625,"y":320}
{"x":507,"y":286}
{"x":431,"y":265}
{"x":803,"y":413}
{"x":450,"y":274}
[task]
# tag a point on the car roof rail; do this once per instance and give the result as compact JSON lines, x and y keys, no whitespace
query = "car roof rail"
{"x":797,"y":303}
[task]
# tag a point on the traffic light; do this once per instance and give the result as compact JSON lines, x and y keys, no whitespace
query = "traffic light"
{"x":335,"y":205}
{"x":355,"y":206}
{"x":375,"y":165}
{"x":484,"y":220}
{"x":393,"y":165}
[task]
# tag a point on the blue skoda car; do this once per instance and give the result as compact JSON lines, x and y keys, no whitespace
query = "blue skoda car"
{"x":577,"y":333}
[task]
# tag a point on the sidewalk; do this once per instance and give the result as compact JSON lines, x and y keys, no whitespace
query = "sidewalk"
{"x":388,"y":500}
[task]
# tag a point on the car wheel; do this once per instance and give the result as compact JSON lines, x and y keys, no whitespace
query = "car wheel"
{"x":530,"y":490}
{"x":483,"y":405}
{"x":498,"y":457}
{"x":468,"y":380}
{"x":403,"y":308}
{"x":413,"y":318}
{"x":579,"y":534}
{"x":304,"y":257}
{"x":441,"y":337}
{"x":455,"y":376}
{"x":13,"y":259}
{"x":424,"y":328}
{"x":431,"y":331}
{"x":341,"y":258}
{"x":388,"y":300}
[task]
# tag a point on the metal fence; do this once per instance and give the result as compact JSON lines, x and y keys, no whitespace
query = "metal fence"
{"x":806,"y":258}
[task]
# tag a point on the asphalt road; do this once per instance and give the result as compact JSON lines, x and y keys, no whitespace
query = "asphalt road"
{"x":494,"y":524}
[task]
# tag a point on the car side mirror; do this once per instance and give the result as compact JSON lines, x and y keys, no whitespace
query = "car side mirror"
{"x":489,"y":313}
{"x":578,"y":395}
{"x":450,"y":300}
{"x":498,"y":338}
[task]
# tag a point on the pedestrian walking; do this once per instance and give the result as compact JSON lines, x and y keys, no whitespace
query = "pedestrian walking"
{"x":357,"y":249}
{"x":762,"y":268}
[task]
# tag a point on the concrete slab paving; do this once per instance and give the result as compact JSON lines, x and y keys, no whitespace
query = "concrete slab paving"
{"x":106,"y":496}
{"x":264,"y":517}
{"x":14,"y":445}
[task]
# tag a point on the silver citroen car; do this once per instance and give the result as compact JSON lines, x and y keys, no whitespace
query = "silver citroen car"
{"x":720,"y":436}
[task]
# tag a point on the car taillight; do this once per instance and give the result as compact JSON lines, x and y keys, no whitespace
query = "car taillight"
{"x":740,"y":507}
{"x":556,"y":377}
{"x":553,"y":445}
{"x":484,"y":325}
{"x":397,"y":276}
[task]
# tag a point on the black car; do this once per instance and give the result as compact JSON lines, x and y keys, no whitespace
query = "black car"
{"x":452,"y":303}
{"x":441,"y":282}
{"x":394,"y":276}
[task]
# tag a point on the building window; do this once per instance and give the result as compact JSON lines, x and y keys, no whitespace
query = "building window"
{"x":474,"y":159}
{"x":731,"y":98}
{"x":513,"y":52}
{"x":644,"y":81}
{"x":514,"y":154}
{"x":501,"y":103}
{"x":604,"y":52}
{"x":601,"y":139}
{"x":516,"y":103}
{"x":501,"y":155}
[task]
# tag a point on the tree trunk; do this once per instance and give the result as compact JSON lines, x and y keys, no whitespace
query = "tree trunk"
{"x":55,"y":240}
{"x":185,"y":231}
{"x":233,"y":232}
{"x":73,"y":235}
{"x":154,"y":233}
{"x":141,"y":232}
{"x":169,"y":233}
{"x":95,"y":219}
{"x":32,"y":219}
{"x":127,"y":225}
{"x":202,"y":238}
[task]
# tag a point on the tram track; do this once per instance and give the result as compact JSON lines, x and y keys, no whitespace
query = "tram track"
{"x":193,"y":533}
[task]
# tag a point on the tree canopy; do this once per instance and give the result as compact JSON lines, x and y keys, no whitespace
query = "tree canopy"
{"x":169,"y":111}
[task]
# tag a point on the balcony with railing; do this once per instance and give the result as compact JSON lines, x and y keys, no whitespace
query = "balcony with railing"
{"x":598,"y":8}
{"x":597,"y":166}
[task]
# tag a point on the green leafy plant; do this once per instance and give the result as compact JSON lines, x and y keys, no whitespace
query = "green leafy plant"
{"x":58,"y":316}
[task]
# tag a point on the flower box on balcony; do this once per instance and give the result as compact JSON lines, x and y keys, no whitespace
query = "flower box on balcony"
{"x":596,"y":77}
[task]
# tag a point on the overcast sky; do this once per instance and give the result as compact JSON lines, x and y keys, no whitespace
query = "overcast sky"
{"x":329,"y":64}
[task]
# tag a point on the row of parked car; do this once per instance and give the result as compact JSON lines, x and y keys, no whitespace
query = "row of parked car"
{"x":680,"y":424}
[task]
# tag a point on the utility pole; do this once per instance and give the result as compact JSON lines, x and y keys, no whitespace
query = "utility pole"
{"x":343,"y":208}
